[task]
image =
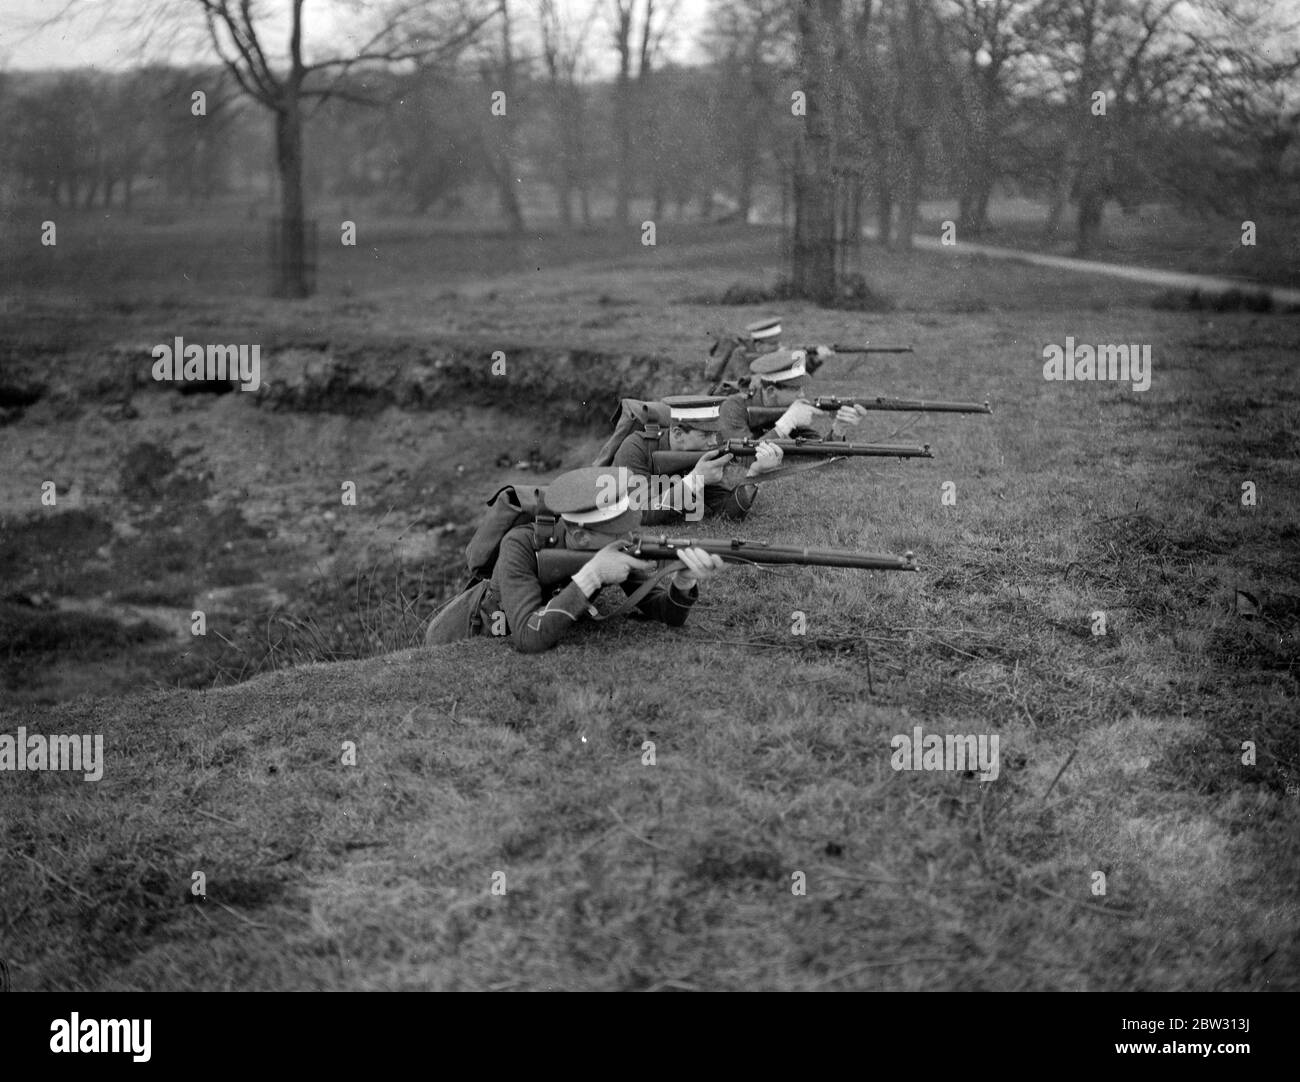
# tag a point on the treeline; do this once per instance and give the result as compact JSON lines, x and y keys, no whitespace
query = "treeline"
{"x":1079,"y":103}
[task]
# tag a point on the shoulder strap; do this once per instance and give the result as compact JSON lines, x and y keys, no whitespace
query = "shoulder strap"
{"x":639,"y":594}
{"x":547,"y":530}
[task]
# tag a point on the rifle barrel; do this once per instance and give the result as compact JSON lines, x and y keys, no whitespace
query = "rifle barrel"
{"x":668,"y":463}
{"x":556,"y":565}
{"x":761,"y":416}
{"x":838,"y":348}
{"x":918,"y":405}
{"x":815,"y":449}
{"x":736,"y":550}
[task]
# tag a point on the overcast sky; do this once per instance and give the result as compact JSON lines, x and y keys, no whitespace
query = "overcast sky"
{"x":96,"y":35}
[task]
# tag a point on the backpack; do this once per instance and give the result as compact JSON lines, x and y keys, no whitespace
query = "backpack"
{"x":507,"y":509}
{"x":634,"y":414}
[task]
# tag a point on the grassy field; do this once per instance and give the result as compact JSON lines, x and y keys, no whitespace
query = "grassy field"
{"x":1121,"y":753}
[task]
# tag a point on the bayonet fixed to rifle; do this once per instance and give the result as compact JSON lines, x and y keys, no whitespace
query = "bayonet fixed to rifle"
{"x":764,"y":416}
{"x":677,"y":462}
{"x":556,"y":565}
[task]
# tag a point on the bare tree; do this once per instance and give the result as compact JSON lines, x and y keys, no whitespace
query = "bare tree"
{"x":499,"y":69}
{"x":636,"y":40}
{"x":1111,"y":54}
{"x":286,"y":83}
{"x":1244,"y":85}
{"x":563,"y":48}
{"x":751,"y":42}
{"x":981,"y":43}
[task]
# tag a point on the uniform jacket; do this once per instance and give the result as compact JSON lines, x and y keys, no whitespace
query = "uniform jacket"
{"x":537,"y":619}
{"x":636,"y":454}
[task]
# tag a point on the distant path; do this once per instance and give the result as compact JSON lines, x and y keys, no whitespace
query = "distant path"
{"x":1150,"y":275}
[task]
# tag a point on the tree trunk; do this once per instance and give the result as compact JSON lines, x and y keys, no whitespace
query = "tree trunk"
{"x":291,"y":275}
{"x":509,"y":194}
{"x":564,"y":198}
{"x":884,"y":212}
{"x":623,"y":120}
{"x":814,"y":187}
{"x":982,"y":207}
{"x":972,"y":215}
{"x":1060,"y":200}
{"x":745,"y":186}
{"x":507,"y":183}
{"x":1092,"y":204}
{"x":914,"y":173}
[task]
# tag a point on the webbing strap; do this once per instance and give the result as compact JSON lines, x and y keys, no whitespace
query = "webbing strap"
{"x":787,"y":471}
{"x":639,"y":594}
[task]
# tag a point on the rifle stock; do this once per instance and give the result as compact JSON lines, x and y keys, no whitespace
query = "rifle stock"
{"x":677,"y":462}
{"x":555,"y":566}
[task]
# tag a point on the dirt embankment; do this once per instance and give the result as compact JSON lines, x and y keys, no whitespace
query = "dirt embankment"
{"x":318,"y":517}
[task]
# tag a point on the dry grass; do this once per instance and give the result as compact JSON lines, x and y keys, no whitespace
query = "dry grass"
{"x":1120,"y":753}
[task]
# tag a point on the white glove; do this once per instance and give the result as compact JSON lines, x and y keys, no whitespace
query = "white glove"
{"x":848,"y":417}
{"x":799,"y":415}
{"x":767,"y":457}
{"x":699,"y":566}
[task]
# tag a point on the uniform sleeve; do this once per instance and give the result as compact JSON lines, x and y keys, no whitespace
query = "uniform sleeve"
{"x":535,"y":624}
{"x":731,"y":501}
{"x":733,"y":417}
{"x":635,"y":455}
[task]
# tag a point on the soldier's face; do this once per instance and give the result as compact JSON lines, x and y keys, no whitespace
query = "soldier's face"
{"x":783,"y":394}
{"x":582,"y":537}
{"x":691,"y":439}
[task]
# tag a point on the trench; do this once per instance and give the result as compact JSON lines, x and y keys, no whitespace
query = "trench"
{"x":234,"y":505}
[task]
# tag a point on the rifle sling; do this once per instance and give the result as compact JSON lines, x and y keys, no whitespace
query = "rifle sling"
{"x":663,"y":574}
{"x":787,"y":471}
{"x":638,"y":595}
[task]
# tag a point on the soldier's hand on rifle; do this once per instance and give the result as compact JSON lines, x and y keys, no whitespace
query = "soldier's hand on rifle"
{"x":610,"y":566}
{"x":699,"y":566}
{"x":767,"y":457}
{"x":711,"y":467}
{"x":799,"y":415}
{"x":847,"y":417}
{"x":824,"y":353}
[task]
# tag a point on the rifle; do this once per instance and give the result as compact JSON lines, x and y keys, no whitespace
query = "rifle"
{"x":765,"y":416}
{"x":555,"y":566}
{"x":726,"y":345}
{"x":678,"y":462}
{"x":812,"y":350}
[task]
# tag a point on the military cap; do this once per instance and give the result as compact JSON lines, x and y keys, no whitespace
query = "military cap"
{"x":698,"y":411}
{"x":764,"y":328}
{"x":777,"y":367}
{"x":597,"y":497}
